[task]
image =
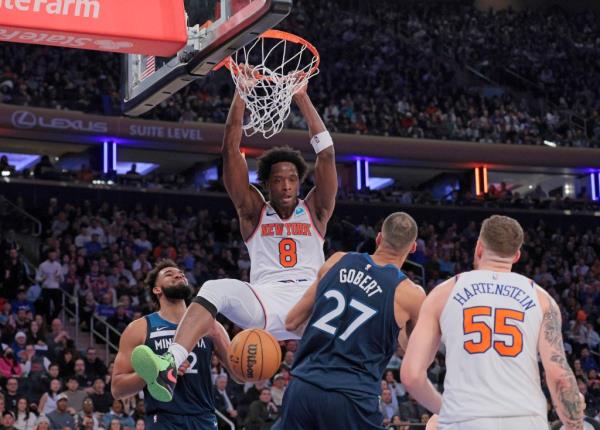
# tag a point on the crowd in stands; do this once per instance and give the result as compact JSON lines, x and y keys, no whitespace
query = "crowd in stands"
{"x":100,"y":254}
{"x":409,"y":80}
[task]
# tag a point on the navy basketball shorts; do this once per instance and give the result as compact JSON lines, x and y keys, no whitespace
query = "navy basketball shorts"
{"x":307,"y":407}
{"x":165,"y":421}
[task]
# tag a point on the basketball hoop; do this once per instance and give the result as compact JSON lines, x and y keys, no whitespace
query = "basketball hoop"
{"x":267,"y":73}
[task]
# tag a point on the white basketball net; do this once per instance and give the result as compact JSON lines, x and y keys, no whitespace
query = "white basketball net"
{"x":275,"y":69}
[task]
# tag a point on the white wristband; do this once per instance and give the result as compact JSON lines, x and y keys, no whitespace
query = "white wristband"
{"x":321,"y":141}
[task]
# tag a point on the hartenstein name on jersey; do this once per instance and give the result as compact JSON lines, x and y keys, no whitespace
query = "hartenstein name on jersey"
{"x":165,"y":342}
{"x":361,"y":280}
{"x":511,"y":291}
{"x":288,"y":229}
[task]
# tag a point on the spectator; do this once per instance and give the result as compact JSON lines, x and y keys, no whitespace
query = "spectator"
{"x":117,"y":414}
{"x":14,"y":274}
{"x":587,"y":361}
{"x":12,"y":394}
{"x":225,"y":402}
{"x":57,"y":339}
{"x":42,"y":423}
{"x":9,"y":366}
{"x":101,"y":398}
{"x":74,"y":394}
{"x":94,"y":365}
{"x":49,"y":399}
{"x":387,"y":409}
{"x":410,"y":410}
{"x":394,"y":386}
{"x":84,"y":379}
{"x":51,"y":276}
{"x":139,"y":412}
{"x":88,"y":413}
{"x":8,"y":421}
{"x":262,"y":413}
{"x":25,"y":419}
{"x":61,"y":418}
{"x":278,"y":389}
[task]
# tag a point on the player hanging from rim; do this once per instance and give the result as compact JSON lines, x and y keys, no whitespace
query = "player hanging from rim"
{"x":356,"y":312}
{"x":284,"y":237}
{"x":193,"y":405}
{"x":493,"y":322}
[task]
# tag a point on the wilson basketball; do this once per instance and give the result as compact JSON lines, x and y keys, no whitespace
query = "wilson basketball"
{"x":254,"y":355}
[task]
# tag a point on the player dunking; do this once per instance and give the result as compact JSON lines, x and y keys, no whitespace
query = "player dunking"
{"x":284,"y":237}
{"x":493,"y":322}
{"x":192,"y":407}
{"x":359,"y":306}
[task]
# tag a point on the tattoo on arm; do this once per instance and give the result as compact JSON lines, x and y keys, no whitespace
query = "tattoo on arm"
{"x":567,"y":392}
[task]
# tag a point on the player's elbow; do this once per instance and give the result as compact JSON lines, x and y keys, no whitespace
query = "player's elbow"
{"x":116,"y":389}
{"x":410,"y":376}
{"x":290,"y":324}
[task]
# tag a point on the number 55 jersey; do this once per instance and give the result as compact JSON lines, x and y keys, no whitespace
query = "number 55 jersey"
{"x":490,"y":328}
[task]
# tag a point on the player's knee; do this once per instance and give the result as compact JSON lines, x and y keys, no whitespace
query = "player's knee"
{"x":211,"y":287}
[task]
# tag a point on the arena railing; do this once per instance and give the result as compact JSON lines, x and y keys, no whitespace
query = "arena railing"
{"x":11,"y":211}
{"x":70,"y":309}
{"x":225,"y":419}
{"x":102,"y":330}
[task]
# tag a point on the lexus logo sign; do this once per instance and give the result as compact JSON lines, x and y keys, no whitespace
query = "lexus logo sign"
{"x":23,"y":119}
{"x":26,"y":120}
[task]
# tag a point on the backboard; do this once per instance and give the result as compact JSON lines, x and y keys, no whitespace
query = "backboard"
{"x":216,"y":29}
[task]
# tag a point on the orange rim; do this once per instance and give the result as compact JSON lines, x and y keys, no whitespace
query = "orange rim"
{"x":277,"y":34}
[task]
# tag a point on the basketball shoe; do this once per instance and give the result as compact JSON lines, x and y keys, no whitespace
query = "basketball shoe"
{"x":158,"y":371}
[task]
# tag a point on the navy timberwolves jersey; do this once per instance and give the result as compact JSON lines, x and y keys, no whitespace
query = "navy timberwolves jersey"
{"x":193,"y":392}
{"x":352,"y":332}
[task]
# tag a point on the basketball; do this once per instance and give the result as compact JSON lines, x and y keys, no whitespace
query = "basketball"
{"x":254,"y":355}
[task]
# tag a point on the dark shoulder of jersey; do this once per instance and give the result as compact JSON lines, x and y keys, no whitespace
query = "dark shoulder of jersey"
{"x":193,"y":392}
{"x":352,"y":332}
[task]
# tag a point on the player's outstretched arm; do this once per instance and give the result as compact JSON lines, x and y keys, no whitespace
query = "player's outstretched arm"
{"x":321,"y":199}
{"x":297,"y":317}
{"x":422,"y":347}
{"x":559,"y":376}
{"x":125,"y":382}
{"x":246,"y":199}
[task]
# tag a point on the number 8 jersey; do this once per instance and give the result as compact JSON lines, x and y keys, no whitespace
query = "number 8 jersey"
{"x":285,"y":250}
{"x":490,"y":328}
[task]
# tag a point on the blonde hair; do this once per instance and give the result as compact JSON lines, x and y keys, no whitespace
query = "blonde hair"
{"x":399,"y":231}
{"x":502,"y":235}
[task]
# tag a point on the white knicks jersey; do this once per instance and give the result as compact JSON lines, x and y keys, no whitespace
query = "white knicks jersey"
{"x":490,"y":328}
{"x":285,"y":250}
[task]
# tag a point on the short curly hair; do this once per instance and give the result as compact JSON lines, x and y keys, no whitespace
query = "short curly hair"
{"x":278,"y":155}
{"x":153,"y":276}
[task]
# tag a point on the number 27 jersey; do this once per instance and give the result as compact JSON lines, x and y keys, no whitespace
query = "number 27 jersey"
{"x":285,"y":250}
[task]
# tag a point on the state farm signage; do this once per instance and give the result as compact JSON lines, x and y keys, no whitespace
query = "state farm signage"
{"x":84,"y":8}
{"x":97,"y":24}
{"x":64,"y":123}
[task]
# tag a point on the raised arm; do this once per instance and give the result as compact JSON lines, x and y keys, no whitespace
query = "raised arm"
{"x":298,"y":316}
{"x":321,"y":198}
{"x":125,"y":382}
{"x":559,"y":376}
{"x":247,"y":200}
